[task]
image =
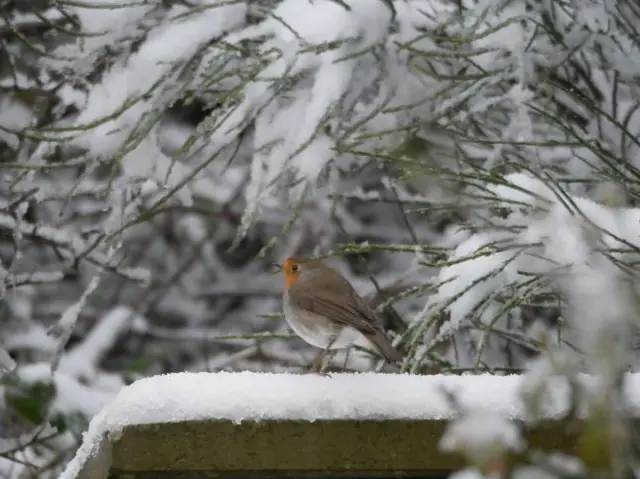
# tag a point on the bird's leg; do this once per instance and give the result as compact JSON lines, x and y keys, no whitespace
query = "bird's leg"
{"x":327,"y":351}
{"x":346,"y":359}
{"x":317,"y":362}
{"x":318,"y":365}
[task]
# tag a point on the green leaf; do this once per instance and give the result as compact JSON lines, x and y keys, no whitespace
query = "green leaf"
{"x":30,"y":400}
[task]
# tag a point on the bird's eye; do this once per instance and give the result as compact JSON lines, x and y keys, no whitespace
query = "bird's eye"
{"x":294,"y":268}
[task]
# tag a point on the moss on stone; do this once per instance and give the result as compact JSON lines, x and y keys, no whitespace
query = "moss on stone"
{"x":336,"y":447}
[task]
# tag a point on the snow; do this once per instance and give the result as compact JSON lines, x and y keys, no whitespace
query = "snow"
{"x":472,"y":275}
{"x":469,"y":473}
{"x":17,"y":117}
{"x":72,"y":396}
{"x":7,"y":364}
{"x":117,"y":107}
{"x":554,"y":466}
{"x":81,"y":361}
{"x":481,"y":435}
{"x":558,"y":237}
{"x":249,"y":396}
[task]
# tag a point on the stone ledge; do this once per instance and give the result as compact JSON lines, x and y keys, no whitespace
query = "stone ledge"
{"x":300,"y":448}
{"x":199,"y":425}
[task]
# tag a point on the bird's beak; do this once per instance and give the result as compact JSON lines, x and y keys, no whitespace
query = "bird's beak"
{"x":276,"y":267}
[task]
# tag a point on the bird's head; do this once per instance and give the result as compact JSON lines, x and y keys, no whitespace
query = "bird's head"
{"x":300,"y":270}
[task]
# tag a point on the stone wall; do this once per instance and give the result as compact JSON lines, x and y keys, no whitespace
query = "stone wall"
{"x":296,"y":448}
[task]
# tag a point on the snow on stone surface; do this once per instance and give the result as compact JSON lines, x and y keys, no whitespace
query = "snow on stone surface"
{"x":249,"y":396}
{"x":481,"y":434}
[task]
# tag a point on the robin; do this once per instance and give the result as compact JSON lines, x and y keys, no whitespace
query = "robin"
{"x":324,"y":310}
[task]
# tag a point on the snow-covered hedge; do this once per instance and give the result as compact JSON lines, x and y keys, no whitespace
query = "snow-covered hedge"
{"x":472,"y":164}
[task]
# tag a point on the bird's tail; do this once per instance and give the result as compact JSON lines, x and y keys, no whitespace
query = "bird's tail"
{"x":382,"y":342}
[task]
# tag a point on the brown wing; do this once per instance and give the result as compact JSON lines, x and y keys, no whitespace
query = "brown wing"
{"x":346,"y":308}
{"x":349,"y":310}
{"x":338,"y":301}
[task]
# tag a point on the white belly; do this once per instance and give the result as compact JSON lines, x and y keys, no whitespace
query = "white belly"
{"x":318,"y":331}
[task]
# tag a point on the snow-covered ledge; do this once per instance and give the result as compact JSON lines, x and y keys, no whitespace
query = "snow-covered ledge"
{"x":283,"y":423}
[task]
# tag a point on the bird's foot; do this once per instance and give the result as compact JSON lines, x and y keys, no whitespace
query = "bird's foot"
{"x":319,"y":373}
{"x":318,"y":367}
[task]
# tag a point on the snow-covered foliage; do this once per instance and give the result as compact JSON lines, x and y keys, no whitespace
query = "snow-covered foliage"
{"x":470,"y":165}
